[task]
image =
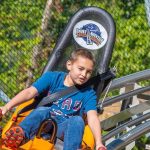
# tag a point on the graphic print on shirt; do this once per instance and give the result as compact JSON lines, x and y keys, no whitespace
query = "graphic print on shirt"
{"x":77,"y":105}
{"x":56,"y":112}
{"x":57,"y":102}
{"x":67,"y":104}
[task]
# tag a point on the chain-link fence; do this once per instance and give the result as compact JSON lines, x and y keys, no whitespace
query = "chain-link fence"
{"x":21,"y":44}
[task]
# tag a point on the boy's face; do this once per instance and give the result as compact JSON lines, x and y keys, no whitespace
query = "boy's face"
{"x":80,"y":70}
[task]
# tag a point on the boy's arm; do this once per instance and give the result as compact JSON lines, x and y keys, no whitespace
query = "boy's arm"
{"x":21,"y":97}
{"x":94,"y":124}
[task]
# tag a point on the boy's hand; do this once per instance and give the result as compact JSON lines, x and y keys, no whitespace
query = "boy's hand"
{"x":3,"y":111}
{"x":102,"y":147}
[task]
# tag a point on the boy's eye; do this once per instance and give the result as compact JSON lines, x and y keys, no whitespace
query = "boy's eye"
{"x":80,"y":68}
{"x":89,"y":72}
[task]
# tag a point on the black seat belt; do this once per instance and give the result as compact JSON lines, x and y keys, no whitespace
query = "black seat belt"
{"x":55,"y":96}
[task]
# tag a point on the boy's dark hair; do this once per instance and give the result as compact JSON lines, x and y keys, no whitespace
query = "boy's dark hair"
{"x":82,"y":52}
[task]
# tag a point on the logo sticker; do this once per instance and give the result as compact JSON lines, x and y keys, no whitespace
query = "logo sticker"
{"x":90,"y":34}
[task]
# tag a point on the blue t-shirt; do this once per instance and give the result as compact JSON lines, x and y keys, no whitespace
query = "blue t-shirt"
{"x":75,"y":103}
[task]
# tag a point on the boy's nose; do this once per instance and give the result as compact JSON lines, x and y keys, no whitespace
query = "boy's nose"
{"x":84,"y":73}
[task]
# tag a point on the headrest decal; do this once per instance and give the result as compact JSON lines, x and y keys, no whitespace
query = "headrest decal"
{"x":90,"y":34}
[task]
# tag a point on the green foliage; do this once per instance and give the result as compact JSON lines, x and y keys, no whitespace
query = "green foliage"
{"x":141,"y":143}
{"x":132,"y":48}
{"x":19,"y":23}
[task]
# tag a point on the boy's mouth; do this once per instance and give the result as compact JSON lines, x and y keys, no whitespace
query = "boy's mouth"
{"x":82,"y":80}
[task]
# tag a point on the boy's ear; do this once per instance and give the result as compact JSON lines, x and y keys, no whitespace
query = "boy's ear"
{"x":68,"y":64}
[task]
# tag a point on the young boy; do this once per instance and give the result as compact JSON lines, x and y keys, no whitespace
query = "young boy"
{"x":67,"y":111}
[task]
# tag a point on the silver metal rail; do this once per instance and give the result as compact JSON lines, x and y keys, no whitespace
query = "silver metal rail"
{"x":130,"y":136}
{"x":135,"y":77}
{"x":126,"y":125}
{"x":123,"y":115}
{"x":109,"y":101}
